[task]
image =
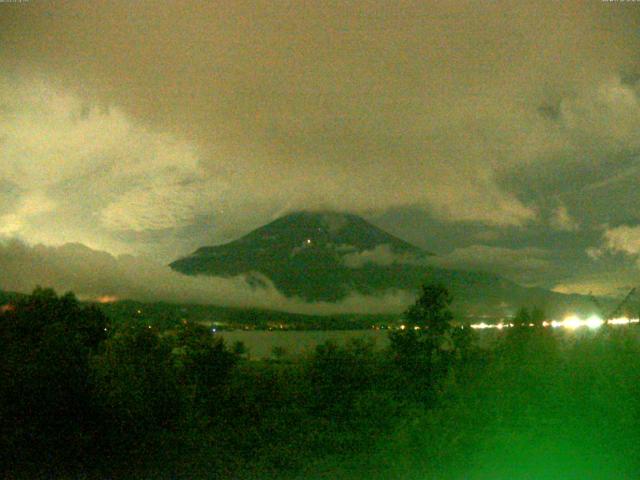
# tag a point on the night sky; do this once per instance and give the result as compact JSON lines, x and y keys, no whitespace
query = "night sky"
{"x":502,"y":136}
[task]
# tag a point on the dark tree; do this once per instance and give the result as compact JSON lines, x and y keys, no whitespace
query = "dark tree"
{"x":537,"y":316}
{"x":522,"y":318}
{"x":278,"y":353}
{"x":135,"y":384}
{"x":431,"y":311}
{"x":45,"y":405}
{"x":338,"y":374}
{"x":239,"y":349}
{"x":425,"y":346}
{"x":204,"y":362}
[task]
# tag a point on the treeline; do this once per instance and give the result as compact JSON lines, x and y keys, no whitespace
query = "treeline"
{"x":78,"y":393}
{"x":167,"y":315}
{"x":81,"y":397}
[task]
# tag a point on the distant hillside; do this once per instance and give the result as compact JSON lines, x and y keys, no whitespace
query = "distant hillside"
{"x":167,"y":315}
{"x":325,"y":256}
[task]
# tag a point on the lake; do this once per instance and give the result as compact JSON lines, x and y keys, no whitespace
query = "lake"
{"x":262,"y":342}
{"x":295,"y":342}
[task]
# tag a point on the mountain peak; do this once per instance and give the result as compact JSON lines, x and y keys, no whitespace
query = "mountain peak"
{"x":327,"y":229}
{"x":311,"y":254}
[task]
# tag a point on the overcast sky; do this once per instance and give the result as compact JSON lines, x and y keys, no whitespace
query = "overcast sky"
{"x":502,"y":136}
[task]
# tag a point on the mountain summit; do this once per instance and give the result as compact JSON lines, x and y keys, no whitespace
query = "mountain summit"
{"x":326,"y":230}
{"x":325,"y":256}
{"x":313,"y":255}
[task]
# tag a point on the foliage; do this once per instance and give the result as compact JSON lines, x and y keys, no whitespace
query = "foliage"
{"x":537,"y":316}
{"x":134,"y":383}
{"x":45,"y":344}
{"x":425,"y":347}
{"x":278,"y":353}
{"x":132,"y":402}
{"x":525,"y":317}
{"x":431,"y":310}
{"x":203,"y":363}
{"x":522,"y":318}
{"x":239,"y":349}
{"x":337,"y":374}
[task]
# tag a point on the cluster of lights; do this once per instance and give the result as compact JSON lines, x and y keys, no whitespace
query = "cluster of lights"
{"x":404,"y":327}
{"x":107,"y":299}
{"x":499,"y":326}
{"x":571,"y":322}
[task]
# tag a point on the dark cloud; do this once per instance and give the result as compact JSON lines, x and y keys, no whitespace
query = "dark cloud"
{"x":520,"y":264}
{"x":138,"y":127}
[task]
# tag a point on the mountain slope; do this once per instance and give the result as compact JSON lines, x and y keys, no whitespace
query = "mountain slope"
{"x":302,"y":253}
{"x":325,"y":256}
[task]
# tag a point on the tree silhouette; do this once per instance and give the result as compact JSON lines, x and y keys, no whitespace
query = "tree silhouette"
{"x":135,"y":385}
{"x":425,"y":347}
{"x":278,"y":353}
{"x":537,"y":316}
{"x":45,"y":404}
{"x":338,"y":374}
{"x":522,"y":318}
{"x":239,"y":349}
{"x":204,"y":362}
{"x":431,"y":311}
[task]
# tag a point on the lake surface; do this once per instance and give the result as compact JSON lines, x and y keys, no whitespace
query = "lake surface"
{"x":261,"y":342}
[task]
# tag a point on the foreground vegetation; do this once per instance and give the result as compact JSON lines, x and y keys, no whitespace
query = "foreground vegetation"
{"x":82,"y":398}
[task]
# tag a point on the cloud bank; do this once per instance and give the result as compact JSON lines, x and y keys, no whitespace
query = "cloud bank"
{"x":624,"y":239}
{"x":382,"y":255}
{"x":157,"y":129}
{"x":93,"y":274}
{"x":615,"y":264}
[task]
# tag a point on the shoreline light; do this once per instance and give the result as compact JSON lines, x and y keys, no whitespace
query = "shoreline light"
{"x":571,"y":322}
{"x":107,"y":299}
{"x":594,"y":322}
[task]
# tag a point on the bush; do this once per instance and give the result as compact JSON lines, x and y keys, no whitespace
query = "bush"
{"x":45,"y":403}
{"x":135,"y":385}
